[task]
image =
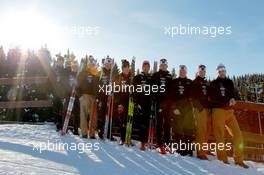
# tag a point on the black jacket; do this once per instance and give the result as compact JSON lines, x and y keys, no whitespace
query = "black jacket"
{"x":144,"y":96}
{"x":221,"y":91}
{"x":60,"y":79}
{"x":200,"y":93}
{"x":104,"y":81}
{"x":87,"y":84}
{"x":180,"y":91}
{"x":161,"y":78}
{"x":122,"y":97}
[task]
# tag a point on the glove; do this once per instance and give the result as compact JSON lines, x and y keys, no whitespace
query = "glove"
{"x":232,"y":102}
{"x":176,"y":112}
{"x":120,"y":109}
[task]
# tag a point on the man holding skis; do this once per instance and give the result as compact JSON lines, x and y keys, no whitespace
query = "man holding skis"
{"x":202,"y":111}
{"x":75,"y":119}
{"x":87,"y":87}
{"x":104,"y":80}
{"x":122,"y":99}
{"x":162,"y":78}
{"x":61,"y":87}
{"x":222,"y":95}
{"x":143,"y":102}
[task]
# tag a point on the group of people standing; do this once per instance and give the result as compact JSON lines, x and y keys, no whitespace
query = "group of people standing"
{"x":186,"y":110}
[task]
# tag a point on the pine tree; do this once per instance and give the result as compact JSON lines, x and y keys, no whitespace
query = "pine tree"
{"x":173,"y":73}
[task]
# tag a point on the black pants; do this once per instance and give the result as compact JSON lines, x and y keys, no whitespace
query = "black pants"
{"x":183,"y":127}
{"x":163,"y":125}
{"x":123,"y":122}
{"x":58,"y":111}
{"x":102,"y":109}
{"x":143,"y":117}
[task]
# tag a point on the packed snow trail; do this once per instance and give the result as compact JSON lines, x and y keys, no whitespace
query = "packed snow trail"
{"x":19,"y":155}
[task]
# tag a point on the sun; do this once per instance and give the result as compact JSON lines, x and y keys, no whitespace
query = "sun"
{"x":30,"y":29}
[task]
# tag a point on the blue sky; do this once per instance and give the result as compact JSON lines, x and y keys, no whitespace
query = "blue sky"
{"x":136,"y":28}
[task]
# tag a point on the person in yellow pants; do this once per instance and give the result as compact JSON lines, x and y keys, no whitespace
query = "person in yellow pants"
{"x":202,"y":112}
{"x":222,"y":101}
{"x":87,"y":88}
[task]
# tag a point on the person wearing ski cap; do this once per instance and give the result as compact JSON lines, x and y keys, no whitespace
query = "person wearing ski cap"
{"x":162,"y":79}
{"x":104,"y":80}
{"x":60,"y":90}
{"x":75,"y":118}
{"x":222,"y":96}
{"x":143,"y":102}
{"x":181,"y":110}
{"x":202,"y":111}
{"x":122,"y":98}
{"x":87,"y":87}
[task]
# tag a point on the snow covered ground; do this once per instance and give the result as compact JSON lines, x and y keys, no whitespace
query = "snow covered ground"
{"x":20,"y":154}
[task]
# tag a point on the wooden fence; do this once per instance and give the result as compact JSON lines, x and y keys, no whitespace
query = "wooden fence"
{"x":22,"y":81}
{"x":254,"y":142}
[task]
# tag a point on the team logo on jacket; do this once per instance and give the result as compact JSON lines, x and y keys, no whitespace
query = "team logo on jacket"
{"x":222,"y":90}
{"x":143,"y":82}
{"x":204,"y":90}
{"x":89,"y":78}
{"x":123,"y":82}
{"x":104,"y":80}
{"x":181,"y":90}
{"x":163,"y":80}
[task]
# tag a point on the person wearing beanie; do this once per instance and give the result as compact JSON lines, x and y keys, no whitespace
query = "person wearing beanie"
{"x":122,"y":98}
{"x":181,"y":110}
{"x":143,"y":102}
{"x":202,"y":111}
{"x":87,"y":88}
{"x":60,"y":77}
{"x":222,"y":95}
{"x":104,"y":80}
{"x":162,"y":78}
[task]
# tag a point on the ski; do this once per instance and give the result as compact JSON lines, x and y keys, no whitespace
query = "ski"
{"x":111,"y":117}
{"x":92,"y":118}
{"x":152,"y":120}
{"x":151,"y":126}
{"x":70,"y":105}
{"x":69,"y":111}
{"x":130,"y":109}
{"x":108,"y":106}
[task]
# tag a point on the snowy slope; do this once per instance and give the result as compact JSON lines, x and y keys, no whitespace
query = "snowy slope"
{"x":18,"y":155}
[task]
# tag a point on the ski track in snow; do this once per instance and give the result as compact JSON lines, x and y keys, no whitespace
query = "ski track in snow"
{"x":17,"y":156}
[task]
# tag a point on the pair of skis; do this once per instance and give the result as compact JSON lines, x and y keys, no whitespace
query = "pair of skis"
{"x":130,"y":108}
{"x":69,"y":111}
{"x":153,"y":117}
{"x":151,"y":128}
{"x":110,"y":108}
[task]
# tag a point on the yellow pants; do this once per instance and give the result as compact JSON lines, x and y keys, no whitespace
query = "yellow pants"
{"x":86,"y":105}
{"x":225,"y":118}
{"x":203,"y":127}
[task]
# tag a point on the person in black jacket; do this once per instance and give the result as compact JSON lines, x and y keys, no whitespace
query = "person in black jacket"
{"x":222,"y":100}
{"x":87,"y":88}
{"x":60,"y":78}
{"x":102,"y":96}
{"x":143,"y":102}
{"x":181,"y":108}
{"x":122,"y":98}
{"x":75,"y":119}
{"x":162,"y":79}
{"x":202,"y":111}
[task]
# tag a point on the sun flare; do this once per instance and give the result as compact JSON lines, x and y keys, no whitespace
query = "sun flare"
{"x":30,"y":29}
